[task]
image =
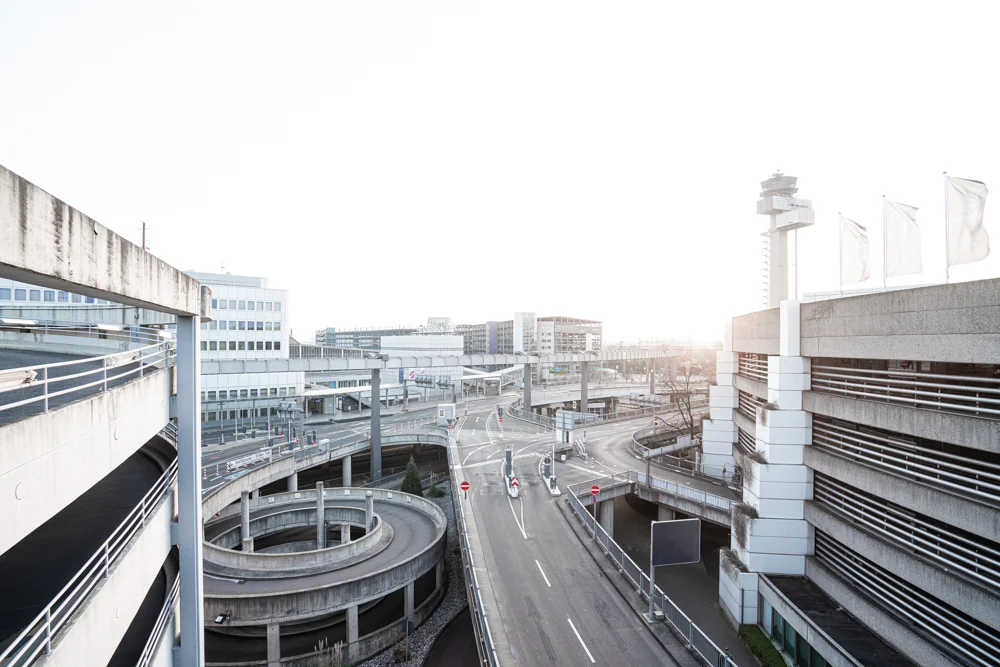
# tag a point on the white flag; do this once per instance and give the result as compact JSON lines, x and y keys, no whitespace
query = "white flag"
{"x":854,"y":266}
{"x":903,"y":255}
{"x":968,"y":241}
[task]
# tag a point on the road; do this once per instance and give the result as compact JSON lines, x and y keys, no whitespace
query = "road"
{"x":555,"y":606}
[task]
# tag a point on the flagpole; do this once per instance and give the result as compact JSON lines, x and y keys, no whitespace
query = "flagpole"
{"x":947,"y":233}
{"x":885,"y":248}
{"x":840,"y":255}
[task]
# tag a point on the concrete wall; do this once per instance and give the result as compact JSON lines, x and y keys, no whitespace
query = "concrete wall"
{"x":982,"y":520}
{"x":62,"y":453}
{"x":900,"y":636}
{"x":972,"y":432}
{"x":125,"y":316}
{"x":951,"y":589}
{"x":686,"y":505}
{"x":756,"y":332}
{"x":749,"y":426}
{"x":46,"y":242}
{"x":96,"y":629}
{"x":66,"y":344}
{"x":956,"y":323}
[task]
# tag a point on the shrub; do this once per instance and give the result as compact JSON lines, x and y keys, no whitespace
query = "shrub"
{"x":761,"y":647}
{"x":411,"y":482}
{"x":434,"y":491}
{"x":399,"y":654}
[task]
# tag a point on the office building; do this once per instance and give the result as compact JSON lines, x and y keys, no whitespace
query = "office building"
{"x":364,"y":338}
{"x":866,"y":436}
{"x":251,"y":322}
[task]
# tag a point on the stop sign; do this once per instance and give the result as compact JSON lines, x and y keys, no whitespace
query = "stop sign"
{"x":594,"y":490}
{"x":464,"y":486}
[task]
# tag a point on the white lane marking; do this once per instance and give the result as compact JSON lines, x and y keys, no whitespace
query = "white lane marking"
{"x":543,"y":573}
{"x":519,"y":525}
{"x":493,"y":454}
{"x":473,"y":432}
{"x":581,"y":639}
{"x":473,"y":452}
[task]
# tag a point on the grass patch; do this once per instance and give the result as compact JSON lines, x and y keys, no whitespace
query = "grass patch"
{"x":434,"y":491}
{"x":761,"y":647}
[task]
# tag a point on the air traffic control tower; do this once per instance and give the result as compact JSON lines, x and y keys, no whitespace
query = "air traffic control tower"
{"x":788,"y":214}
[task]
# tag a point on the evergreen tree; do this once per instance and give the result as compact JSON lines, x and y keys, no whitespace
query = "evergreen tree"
{"x":411,"y":482}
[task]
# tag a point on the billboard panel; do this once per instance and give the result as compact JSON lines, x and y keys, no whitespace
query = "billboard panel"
{"x":675,"y":542}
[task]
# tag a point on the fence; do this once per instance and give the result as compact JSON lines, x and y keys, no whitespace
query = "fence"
{"x":166,"y":612}
{"x":672,"y":488}
{"x":723,"y":473}
{"x":698,"y":642}
{"x":36,"y":639}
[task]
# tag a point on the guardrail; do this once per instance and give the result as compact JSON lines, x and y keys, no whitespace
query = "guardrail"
{"x":517,"y":412}
{"x":961,"y":394}
{"x":672,"y":488}
{"x":698,"y":642}
{"x":166,"y":612}
{"x":693,"y":468}
{"x":36,"y":639}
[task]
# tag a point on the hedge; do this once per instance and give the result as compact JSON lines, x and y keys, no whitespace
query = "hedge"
{"x":761,"y":647}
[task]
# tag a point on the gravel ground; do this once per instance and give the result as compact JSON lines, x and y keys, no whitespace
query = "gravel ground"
{"x":453,"y":602}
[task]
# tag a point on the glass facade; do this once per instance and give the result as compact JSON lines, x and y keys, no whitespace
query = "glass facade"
{"x":792,"y":644}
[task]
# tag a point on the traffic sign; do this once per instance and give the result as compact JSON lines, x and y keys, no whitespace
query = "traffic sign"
{"x":464,"y":486}
{"x":501,"y":419}
{"x":574,"y":404}
{"x":594,"y":490}
{"x":514,"y":483}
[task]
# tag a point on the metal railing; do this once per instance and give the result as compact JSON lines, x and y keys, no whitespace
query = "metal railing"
{"x":745,"y":442}
{"x":666,"y":486}
{"x":698,"y":642}
{"x":487,"y":648}
{"x":516,"y":411}
{"x":950,"y":549}
{"x":694,"y":468}
{"x":950,"y":472}
{"x":36,"y":639}
{"x":959,"y":394}
{"x":753,"y":366}
{"x":938,"y":622}
{"x":166,"y":612}
{"x":748,"y":404}
{"x":94,"y":373}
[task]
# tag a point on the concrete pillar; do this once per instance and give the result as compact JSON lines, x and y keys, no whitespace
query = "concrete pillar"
{"x":438,"y":575}
{"x":607,"y":517}
{"x":369,"y":510}
{"x":584,"y":376}
{"x":376,"y":424}
{"x":189,"y":529}
{"x":652,"y":377}
{"x":320,"y":517}
{"x":273,"y":645}
{"x":346,"y":462}
{"x":245,"y":521}
{"x":345,"y":533}
{"x":255,"y":494}
{"x":293,"y":481}
{"x":664,"y":513}
{"x":527,"y":389}
{"x":352,"y":630}
{"x":408,"y":600}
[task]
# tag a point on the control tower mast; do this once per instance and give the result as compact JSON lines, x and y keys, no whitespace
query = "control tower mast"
{"x":787,"y":214}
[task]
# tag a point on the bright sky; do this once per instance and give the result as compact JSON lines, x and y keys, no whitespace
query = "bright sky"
{"x":387,"y":161}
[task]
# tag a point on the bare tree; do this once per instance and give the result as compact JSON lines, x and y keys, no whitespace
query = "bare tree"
{"x":682,"y":387}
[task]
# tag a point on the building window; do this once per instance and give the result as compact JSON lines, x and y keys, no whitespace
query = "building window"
{"x":268,"y":305}
{"x":211,"y":395}
{"x":260,"y":345}
{"x":232,"y":325}
{"x":50,"y":296}
{"x":88,"y":299}
{"x":5,"y":293}
{"x":260,"y":305}
{"x":242,"y":346}
{"x":277,"y":326}
{"x":267,"y":345}
{"x":291,"y":391}
{"x":281,"y":391}
{"x":213,"y":325}
{"x":267,"y":326}
{"x":277,"y":306}
{"x":212,"y":416}
{"x":233,"y":393}
{"x":253,"y":393}
{"x":232,"y":304}
{"x":204,"y":325}
{"x":215,"y":304}
{"x":242,"y":325}
{"x":20,"y":294}
{"x":250,"y":325}
{"x":277,"y":345}
{"x":62,"y":296}
{"x":243,"y":393}
{"x":274,"y":391}
{"x":243,"y":305}
{"x":35,"y":295}
{"x":213,"y":346}
{"x":76,"y":298}
{"x":204,"y":346}
{"x":260,"y":326}
{"x":250,"y":305}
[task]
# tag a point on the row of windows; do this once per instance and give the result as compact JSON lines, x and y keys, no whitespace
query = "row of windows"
{"x":240,"y":325}
{"x":233,"y":304}
{"x":235,"y":394}
{"x":238,"y":346}
{"x":241,"y":414}
{"x":47,"y":296}
{"x":790,"y":642}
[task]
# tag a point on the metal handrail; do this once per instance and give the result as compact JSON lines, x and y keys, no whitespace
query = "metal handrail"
{"x":166,"y":611}
{"x":473,"y":583}
{"x":699,"y":643}
{"x":911,"y":388}
{"x":752,"y":367}
{"x":675,"y":462}
{"x":36,"y":639}
{"x":126,"y":333}
{"x":673,"y":488}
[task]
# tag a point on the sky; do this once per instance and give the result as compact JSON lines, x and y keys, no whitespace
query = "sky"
{"x":390,"y":161}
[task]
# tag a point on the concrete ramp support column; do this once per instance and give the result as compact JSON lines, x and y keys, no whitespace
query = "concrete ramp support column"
{"x":664,"y":513}
{"x":245,"y":521}
{"x":345,"y":533}
{"x":189,"y":529}
{"x":652,"y":377}
{"x":347,"y":472}
{"x":584,"y":379}
{"x":273,"y":645}
{"x":369,"y":511}
{"x":527,"y":388}
{"x":352,"y":632}
{"x":376,"y":443}
{"x":607,"y":516}
{"x":408,"y":600}
{"x":320,"y":517}
{"x":293,"y":481}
